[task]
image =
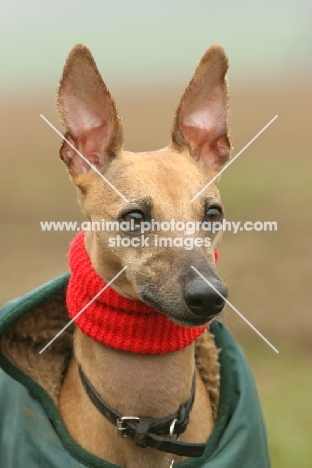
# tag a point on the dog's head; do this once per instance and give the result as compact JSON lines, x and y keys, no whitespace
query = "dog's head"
{"x":154,"y":201}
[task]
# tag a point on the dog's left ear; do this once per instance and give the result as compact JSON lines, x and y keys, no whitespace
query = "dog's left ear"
{"x":201,"y":118}
{"x":89,"y":115}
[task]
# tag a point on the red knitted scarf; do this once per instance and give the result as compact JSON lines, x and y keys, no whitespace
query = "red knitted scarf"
{"x":113,"y":320}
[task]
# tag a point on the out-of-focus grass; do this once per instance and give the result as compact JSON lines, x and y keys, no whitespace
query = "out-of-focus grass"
{"x":284,"y":384}
{"x":252,"y":184}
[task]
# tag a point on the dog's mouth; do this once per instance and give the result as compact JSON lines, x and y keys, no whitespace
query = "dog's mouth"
{"x":191,"y":303}
{"x":178,"y":313}
{"x":193,"y":320}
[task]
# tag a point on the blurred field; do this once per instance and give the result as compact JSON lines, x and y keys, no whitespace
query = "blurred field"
{"x":284,"y":383}
{"x":268,"y":273}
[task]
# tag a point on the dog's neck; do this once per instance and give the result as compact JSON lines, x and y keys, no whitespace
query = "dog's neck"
{"x":133,"y":385}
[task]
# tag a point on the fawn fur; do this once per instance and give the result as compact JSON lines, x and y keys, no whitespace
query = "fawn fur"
{"x":160,"y":183}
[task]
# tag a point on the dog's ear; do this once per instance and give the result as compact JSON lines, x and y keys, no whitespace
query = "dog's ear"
{"x":200,"y":121}
{"x":88,"y":113}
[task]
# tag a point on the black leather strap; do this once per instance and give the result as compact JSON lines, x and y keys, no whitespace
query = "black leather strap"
{"x":184,"y":449}
{"x":146,"y":432}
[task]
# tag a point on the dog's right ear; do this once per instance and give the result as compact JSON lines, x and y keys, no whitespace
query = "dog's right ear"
{"x":200,"y":121}
{"x":88,"y":113}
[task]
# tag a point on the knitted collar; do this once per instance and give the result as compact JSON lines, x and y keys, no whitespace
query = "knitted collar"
{"x":113,"y":320}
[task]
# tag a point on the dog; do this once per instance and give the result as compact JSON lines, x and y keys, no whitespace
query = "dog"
{"x":141,"y":388}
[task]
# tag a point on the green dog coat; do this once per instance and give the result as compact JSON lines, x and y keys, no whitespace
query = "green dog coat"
{"x":32,"y":433}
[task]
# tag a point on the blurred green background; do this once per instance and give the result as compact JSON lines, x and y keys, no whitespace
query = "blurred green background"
{"x":147,"y":52}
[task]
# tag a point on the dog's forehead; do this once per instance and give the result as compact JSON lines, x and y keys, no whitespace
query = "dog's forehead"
{"x":166,"y":177}
{"x":163,"y":164}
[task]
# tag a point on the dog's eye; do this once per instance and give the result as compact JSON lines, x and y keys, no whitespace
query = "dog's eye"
{"x":134,"y":219}
{"x":214,"y":214}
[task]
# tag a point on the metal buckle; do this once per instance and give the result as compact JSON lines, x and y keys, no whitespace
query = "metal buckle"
{"x":121,"y":427}
{"x":171,"y":430}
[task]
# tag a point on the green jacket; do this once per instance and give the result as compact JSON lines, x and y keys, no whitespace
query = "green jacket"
{"x":32,"y":433}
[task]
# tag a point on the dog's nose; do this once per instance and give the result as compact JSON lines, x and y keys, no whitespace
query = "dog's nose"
{"x":203,"y":299}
